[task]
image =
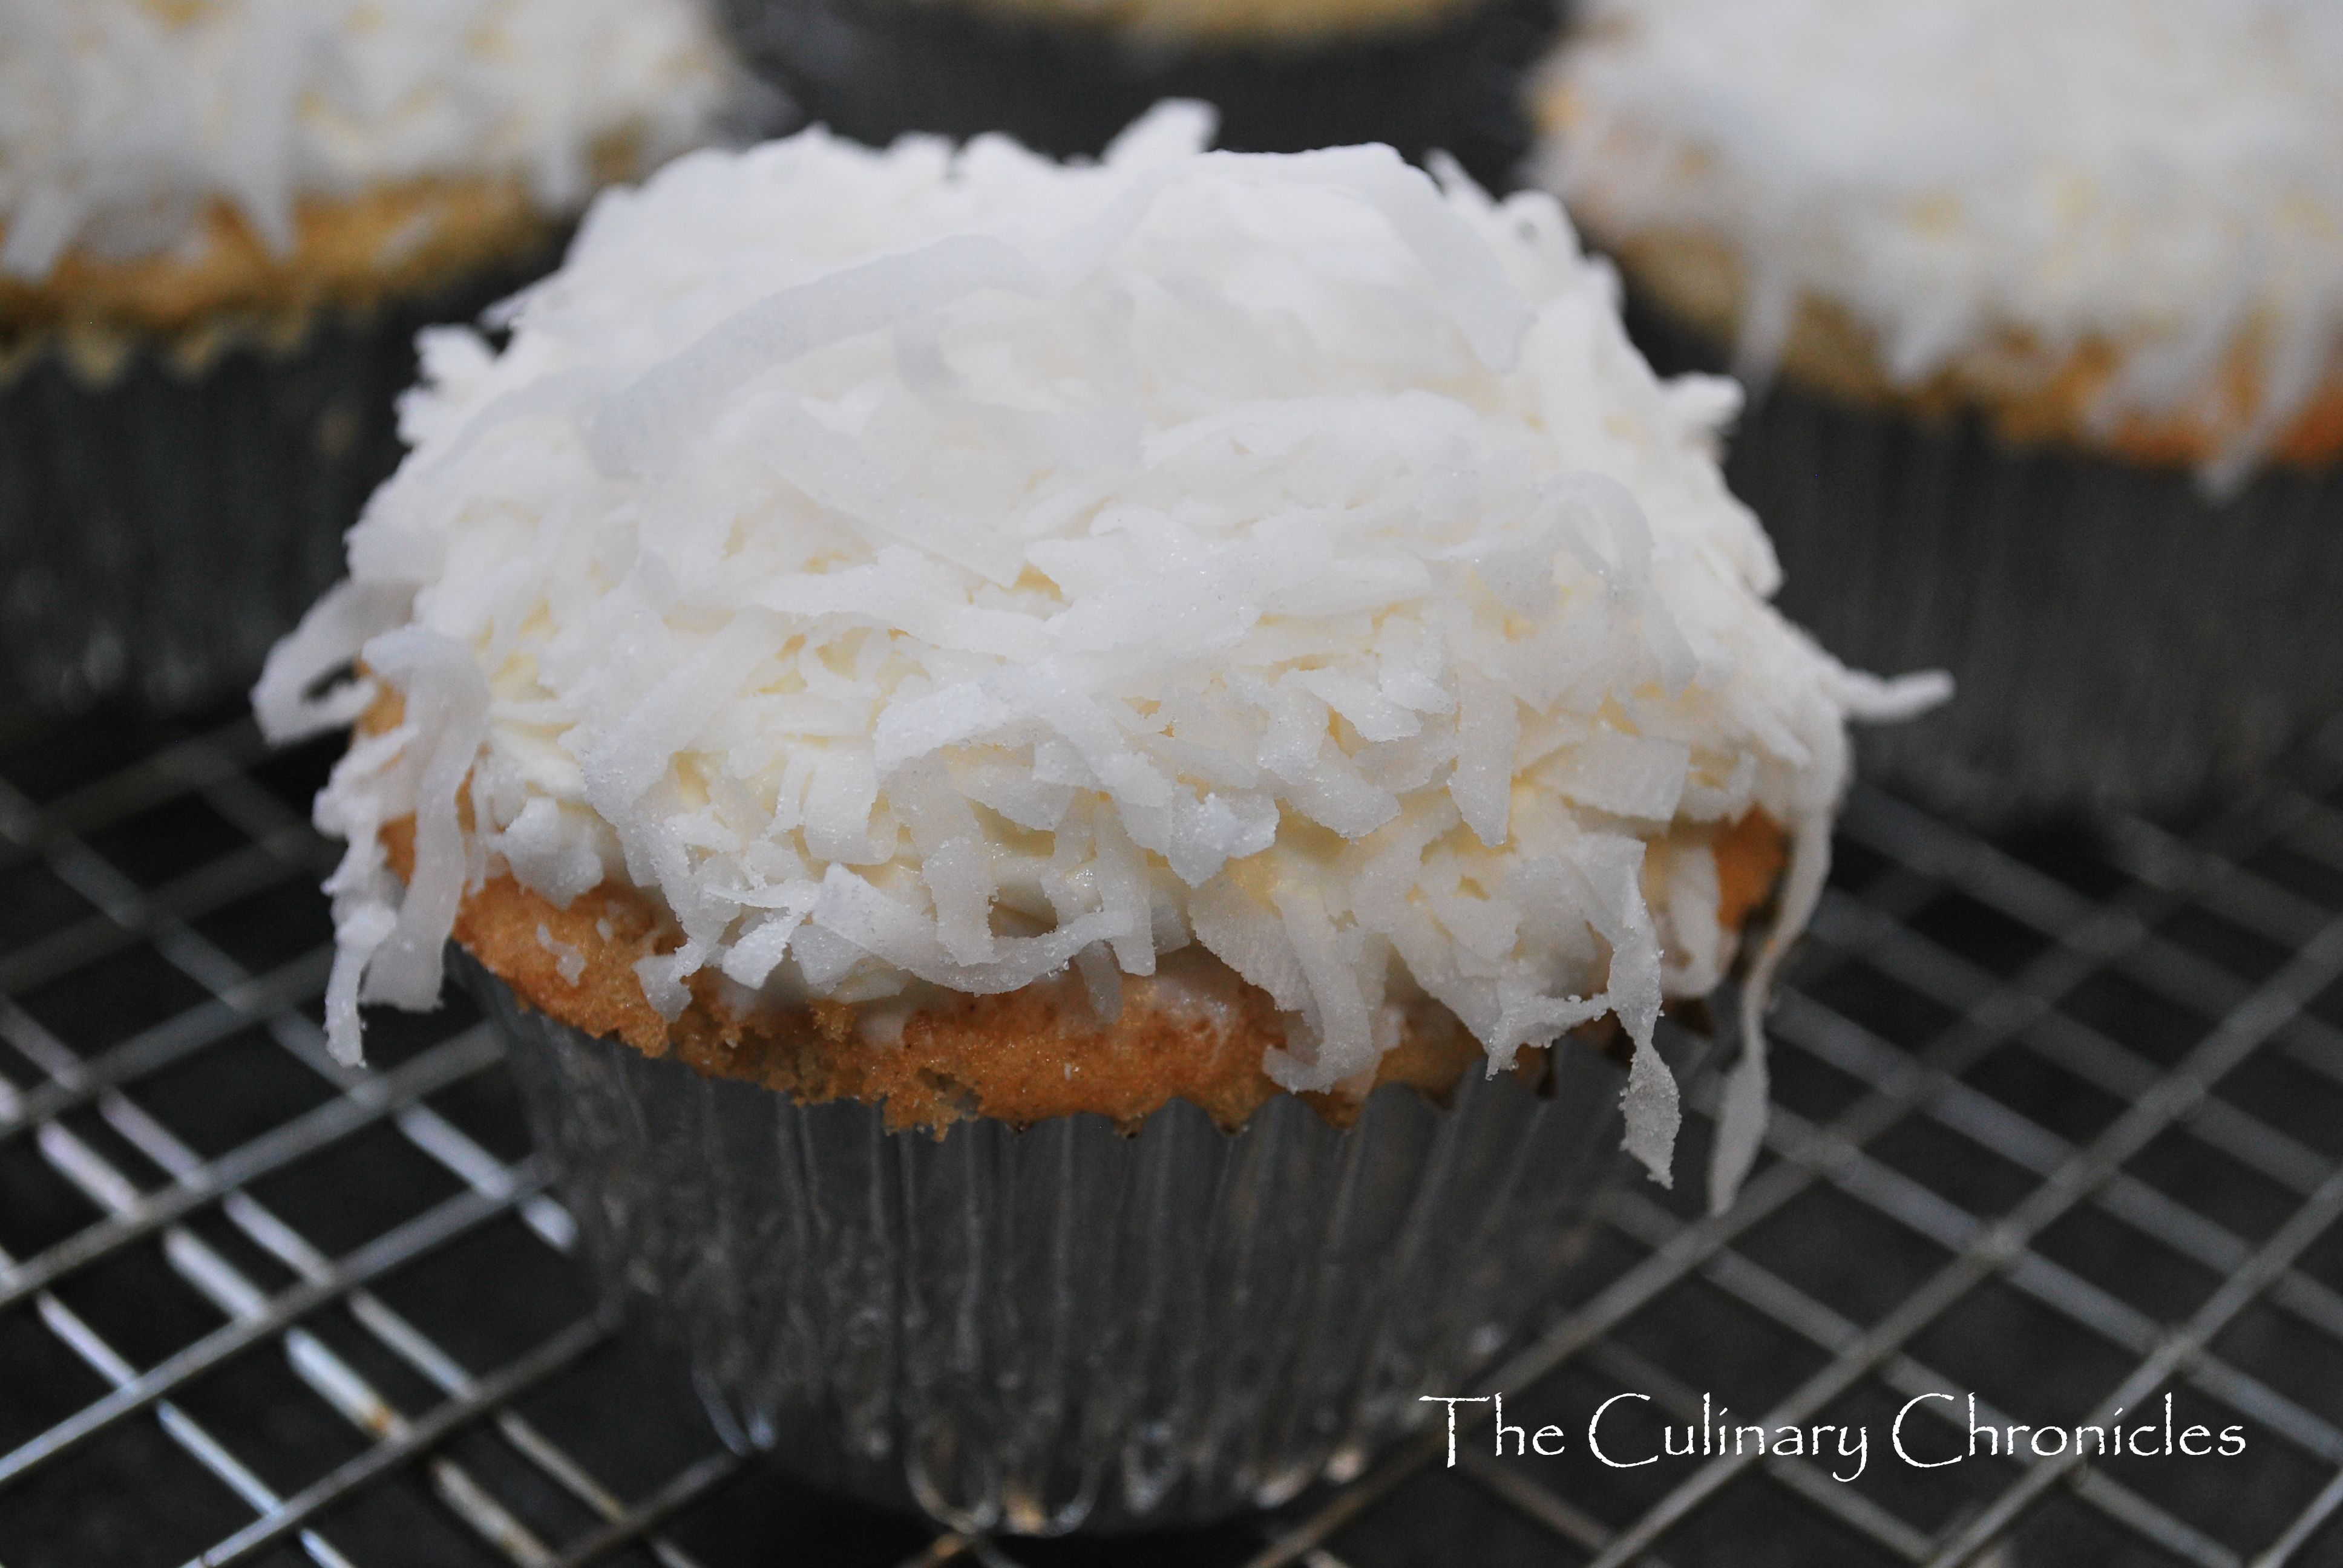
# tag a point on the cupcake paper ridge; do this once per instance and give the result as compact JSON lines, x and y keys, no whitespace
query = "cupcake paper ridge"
{"x":122,"y":121}
{"x":939,"y":566}
{"x":2159,"y":180}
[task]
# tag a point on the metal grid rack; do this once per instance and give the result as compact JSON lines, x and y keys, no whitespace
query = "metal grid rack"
{"x":2058,"y":1123}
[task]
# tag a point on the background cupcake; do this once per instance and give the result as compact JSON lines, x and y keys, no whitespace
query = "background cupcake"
{"x":220,"y":226}
{"x":1064,"y":75}
{"x":939,"y":640}
{"x":2054,"y":295}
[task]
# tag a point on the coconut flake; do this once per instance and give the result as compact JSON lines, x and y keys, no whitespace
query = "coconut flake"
{"x":570,"y":960}
{"x":448,"y":709}
{"x":1488,"y":729}
{"x":1741,"y":1124}
{"x":288,"y":701}
{"x":760,"y":948}
{"x":646,"y":424}
{"x":663,"y":975}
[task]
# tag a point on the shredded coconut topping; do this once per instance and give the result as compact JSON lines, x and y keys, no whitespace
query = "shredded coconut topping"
{"x":2163,"y":176}
{"x":948,"y":565}
{"x":121,"y":120}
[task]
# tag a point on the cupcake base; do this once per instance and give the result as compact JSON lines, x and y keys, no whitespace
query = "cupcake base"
{"x":874,"y":69}
{"x":1067,"y":1327}
{"x":2118,"y":641}
{"x":161,"y":527}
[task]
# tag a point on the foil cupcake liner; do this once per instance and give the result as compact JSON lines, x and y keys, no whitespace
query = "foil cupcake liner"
{"x":161,"y":527}
{"x":874,"y":69}
{"x":2117,"y":640}
{"x":1066,"y":1327}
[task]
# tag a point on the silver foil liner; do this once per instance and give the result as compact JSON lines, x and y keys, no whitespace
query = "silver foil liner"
{"x":2119,"y":641}
{"x":162,"y":526}
{"x":874,"y":69}
{"x":1067,"y":1327}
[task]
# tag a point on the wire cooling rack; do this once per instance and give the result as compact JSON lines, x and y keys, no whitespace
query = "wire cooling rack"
{"x":2058,"y":1129}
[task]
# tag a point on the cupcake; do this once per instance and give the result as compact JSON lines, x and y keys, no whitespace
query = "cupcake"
{"x":2048,"y":304}
{"x":1020,"y":749}
{"x":221,"y":224}
{"x":1065,"y":75}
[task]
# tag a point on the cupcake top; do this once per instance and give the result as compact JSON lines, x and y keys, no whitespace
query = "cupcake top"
{"x":2145,"y":193}
{"x":920,"y":571}
{"x":124,"y":124}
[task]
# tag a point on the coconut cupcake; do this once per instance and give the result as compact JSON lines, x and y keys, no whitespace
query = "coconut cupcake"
{"x":221,"y":224}
{"x":1065,"y":75}
{"x":2054,"y":295}
{"x":909,"y":666}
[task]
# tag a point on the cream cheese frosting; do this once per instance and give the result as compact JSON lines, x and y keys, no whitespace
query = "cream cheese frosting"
{"x":122,"y":121}
{"x":2163,"y":178}
{"x":941,"y":567}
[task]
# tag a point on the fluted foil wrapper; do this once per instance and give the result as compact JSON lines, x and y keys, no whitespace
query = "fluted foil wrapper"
{"x":2117,"y":640}
{"x":1066,"y":1327}
{"x":874,"y":69}
{"x":163,"y":524}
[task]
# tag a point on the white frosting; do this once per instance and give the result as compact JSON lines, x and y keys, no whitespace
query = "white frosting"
{"x":948,"y":567}
{"x":121,"y":120}
{"x":2164,"y":177}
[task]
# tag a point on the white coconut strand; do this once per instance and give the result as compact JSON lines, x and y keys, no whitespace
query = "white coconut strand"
{"x":447,"y":700}
{"x":1741,"y":1121}
{"x":1289,"y":555}
{"x":286,"y":701}
{"x":122,"y":120}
